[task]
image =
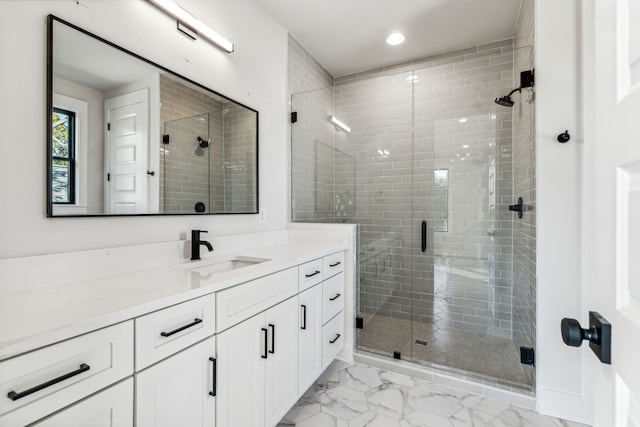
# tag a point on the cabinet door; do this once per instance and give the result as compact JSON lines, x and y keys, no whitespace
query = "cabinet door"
{"x":176,"y":391}
{"x":112,"y":407}
{"x":282,"y":361}
{"x":241,"y":374}
{"x":310,"y":338}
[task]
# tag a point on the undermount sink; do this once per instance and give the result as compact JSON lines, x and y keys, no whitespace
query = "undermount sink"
{"x":221,"y":265}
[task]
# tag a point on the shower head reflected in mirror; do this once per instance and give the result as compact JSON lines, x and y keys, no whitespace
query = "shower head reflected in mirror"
{"x":204,"y":143}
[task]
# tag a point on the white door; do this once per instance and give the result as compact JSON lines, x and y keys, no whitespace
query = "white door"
{"x":176,"y":391}
{"x":612,"y":150}
{"x":282,"y":360}
{"x":127,"y":146}
{"x":241,"y":374}
{"x":310,"y":337}
{"x":112,"y":407}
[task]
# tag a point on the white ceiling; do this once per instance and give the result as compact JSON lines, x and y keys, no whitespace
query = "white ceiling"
{"x":348,"y":36}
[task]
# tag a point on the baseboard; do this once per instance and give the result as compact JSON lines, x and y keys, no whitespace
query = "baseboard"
{"x":568,"y":406}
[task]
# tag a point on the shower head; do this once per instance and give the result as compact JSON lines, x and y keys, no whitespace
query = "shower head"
{"x":204,"y":143}
{"x":526,"y":80}
{"x":506,"y":101}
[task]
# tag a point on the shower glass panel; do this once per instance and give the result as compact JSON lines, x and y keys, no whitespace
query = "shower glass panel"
{"x":380,"y":113}
{"x":429,"y":146}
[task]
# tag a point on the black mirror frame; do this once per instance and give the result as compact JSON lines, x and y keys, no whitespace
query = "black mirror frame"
{"x":51,"y":19}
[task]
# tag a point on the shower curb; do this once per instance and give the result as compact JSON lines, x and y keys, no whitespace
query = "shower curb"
{"x":516,"y":396}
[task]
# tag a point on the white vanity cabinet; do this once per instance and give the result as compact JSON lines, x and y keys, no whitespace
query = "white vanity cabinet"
{"x":238,"y":356}
{"x":257,"y":368}
{"x":179,"y":391}
{"x":310,"y":337}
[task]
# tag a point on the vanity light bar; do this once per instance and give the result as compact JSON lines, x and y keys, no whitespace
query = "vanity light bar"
{"x":338,"y":123}
{"x":190,"y":21}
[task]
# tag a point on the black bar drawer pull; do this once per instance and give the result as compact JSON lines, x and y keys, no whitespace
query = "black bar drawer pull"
{"x":312,"y":274}
{"x":15,"y":395}
{"x":214,"y":388}
{"x":181,"y":328}
{"x":335,"y":298}
{"x":336,"y":264}
{"x":265,"y":334}
{"x":304,"y":316}
{"x":424,"y":236}
{"x":273,"y":338}
{"x":335,"y":339}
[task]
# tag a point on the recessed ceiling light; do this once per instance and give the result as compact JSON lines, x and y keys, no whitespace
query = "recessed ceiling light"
{"x":395,"y":39}
{"x":463,"y":120}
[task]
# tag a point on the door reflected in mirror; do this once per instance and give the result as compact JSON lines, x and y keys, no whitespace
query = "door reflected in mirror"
{"x":128,"y":137}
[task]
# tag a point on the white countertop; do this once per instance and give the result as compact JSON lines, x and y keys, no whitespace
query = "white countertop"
{"x":37,"y":316}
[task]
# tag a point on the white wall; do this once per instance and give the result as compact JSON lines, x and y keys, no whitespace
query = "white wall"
{"x":255,"y":74}
{"x":563,"y":377}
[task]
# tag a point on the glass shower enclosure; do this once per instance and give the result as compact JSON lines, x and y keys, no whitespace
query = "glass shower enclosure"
{"x":428,"y":171}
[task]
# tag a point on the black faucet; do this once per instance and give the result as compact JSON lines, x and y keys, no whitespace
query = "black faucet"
{"x":196,"y":242}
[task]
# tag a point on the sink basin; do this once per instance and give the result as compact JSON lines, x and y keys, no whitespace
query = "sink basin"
{"x":221,"y":265}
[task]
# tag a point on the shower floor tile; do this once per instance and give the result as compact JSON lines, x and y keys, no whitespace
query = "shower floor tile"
{"x":491,"y":356}
{"x":356,"y":395}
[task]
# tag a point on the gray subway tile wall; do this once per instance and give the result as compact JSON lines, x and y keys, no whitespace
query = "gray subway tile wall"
{"x":183,"y":167}
{"x":221,"y":176}
{"x":440,"y":117}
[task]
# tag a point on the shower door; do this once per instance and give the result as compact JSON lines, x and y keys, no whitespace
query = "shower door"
{"x":470,"y":315}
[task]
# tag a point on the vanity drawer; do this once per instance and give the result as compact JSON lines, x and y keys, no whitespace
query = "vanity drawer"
{"x":332,"y":339}
{"x":333,"y":264}
{"x":332,"y":297}
{"x":165,"y":332}
{"x":310,"y":273}
{"x":112,"y":407}
{"x":38,"y":383}
{"x":247,"y":299}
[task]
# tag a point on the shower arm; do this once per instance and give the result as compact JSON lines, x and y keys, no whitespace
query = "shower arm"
{"x":518,"y":89}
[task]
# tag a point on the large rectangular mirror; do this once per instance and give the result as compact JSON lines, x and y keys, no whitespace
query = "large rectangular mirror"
{"x":128,"y":137}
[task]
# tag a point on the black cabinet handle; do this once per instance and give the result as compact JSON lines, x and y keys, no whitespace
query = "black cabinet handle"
{"x":215,"y":379}
{"x":312,"y":274}
{"x":336,"y":264}
{"x":181,"y":328}
{"x":304,"y":316}
{"x":335,"y":339}
{"x":265,"y":334}
{"x":424,"y":236}
{"x":273,"y":338}
{"x":15,"y":395}
{"x":335,"y":298}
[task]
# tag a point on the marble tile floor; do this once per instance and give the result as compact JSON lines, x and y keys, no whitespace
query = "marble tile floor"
{"x":356,"y":395}
{"x":486,"y":355}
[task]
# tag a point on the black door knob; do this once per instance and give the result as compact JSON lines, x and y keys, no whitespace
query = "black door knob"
{"x":573,"y":334}
{"x":598,"y":335}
